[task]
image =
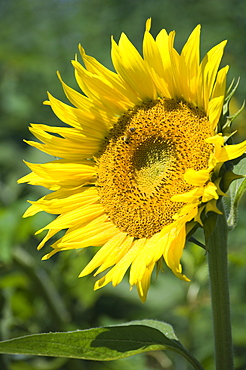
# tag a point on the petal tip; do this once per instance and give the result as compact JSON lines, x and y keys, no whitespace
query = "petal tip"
{"x":148,"y":25}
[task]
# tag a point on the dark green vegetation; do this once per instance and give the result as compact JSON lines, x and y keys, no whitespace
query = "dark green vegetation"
{"x":36,"y":39}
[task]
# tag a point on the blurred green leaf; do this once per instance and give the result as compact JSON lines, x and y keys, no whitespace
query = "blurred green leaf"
{"x":101,"y":344}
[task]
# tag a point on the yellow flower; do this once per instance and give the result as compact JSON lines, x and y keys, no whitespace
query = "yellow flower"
{"x":140,"y":159}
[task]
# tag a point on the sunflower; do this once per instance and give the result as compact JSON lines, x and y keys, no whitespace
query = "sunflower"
{"x":141,"y":161}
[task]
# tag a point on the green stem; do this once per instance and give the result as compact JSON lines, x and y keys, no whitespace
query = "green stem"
{"x":216,"y":243}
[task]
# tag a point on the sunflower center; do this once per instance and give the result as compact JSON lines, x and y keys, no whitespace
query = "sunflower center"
{"x":151,"y":162}
{"x":143,"y":162}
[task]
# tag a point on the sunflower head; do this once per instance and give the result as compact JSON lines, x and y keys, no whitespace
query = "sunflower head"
{"x":143,"y":159}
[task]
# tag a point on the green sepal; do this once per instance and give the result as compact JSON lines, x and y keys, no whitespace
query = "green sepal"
{"x":228,"y":178}
{"x":102,"y":344}
{"x":226,"y":119}
{"x":237,"y":189}
{"x":198,"y":216}
{"x":193,"y":240}
{"x":211,"y":206}
{"x":219,"y":183}
{"x":229,"y":94}
{"x":226,"y":128}
{"x":209,"y":224}
{"x":230,"y":119}
{"x":191,"y":228}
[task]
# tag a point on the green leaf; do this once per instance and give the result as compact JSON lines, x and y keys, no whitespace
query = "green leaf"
{"x":237,"y":189}
{"x":101,"y":344}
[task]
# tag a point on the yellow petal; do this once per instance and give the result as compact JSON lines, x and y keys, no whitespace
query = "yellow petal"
{"x":214,"y":110}
{"x":118,"y":271}
{"x":153,"y":59}
{"x":229,"y":152}
{"x":209,"y":68}
{"x":108,"y":255}
{"x":143,"y":285}
{"x":189,"y":64}
{"x":196,"y":178}
{"x":210,"y":192}
{"x":100,"y":90}
{"x":173,"y":252}
{"x":188,"y":197}
{"x":131,"y":67}
{"x":93,"y":66}
{"x":150,"y":253}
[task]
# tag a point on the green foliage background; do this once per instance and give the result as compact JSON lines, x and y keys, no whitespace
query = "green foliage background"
{"x":36,"y":39}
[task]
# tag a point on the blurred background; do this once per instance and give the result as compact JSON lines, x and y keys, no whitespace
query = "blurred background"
{"x":37,"y":38}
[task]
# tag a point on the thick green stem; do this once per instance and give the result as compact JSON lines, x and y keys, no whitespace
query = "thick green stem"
{"x":216,"y":243}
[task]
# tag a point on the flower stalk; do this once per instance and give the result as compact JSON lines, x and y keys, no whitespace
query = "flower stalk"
{"x":216,"y":243}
